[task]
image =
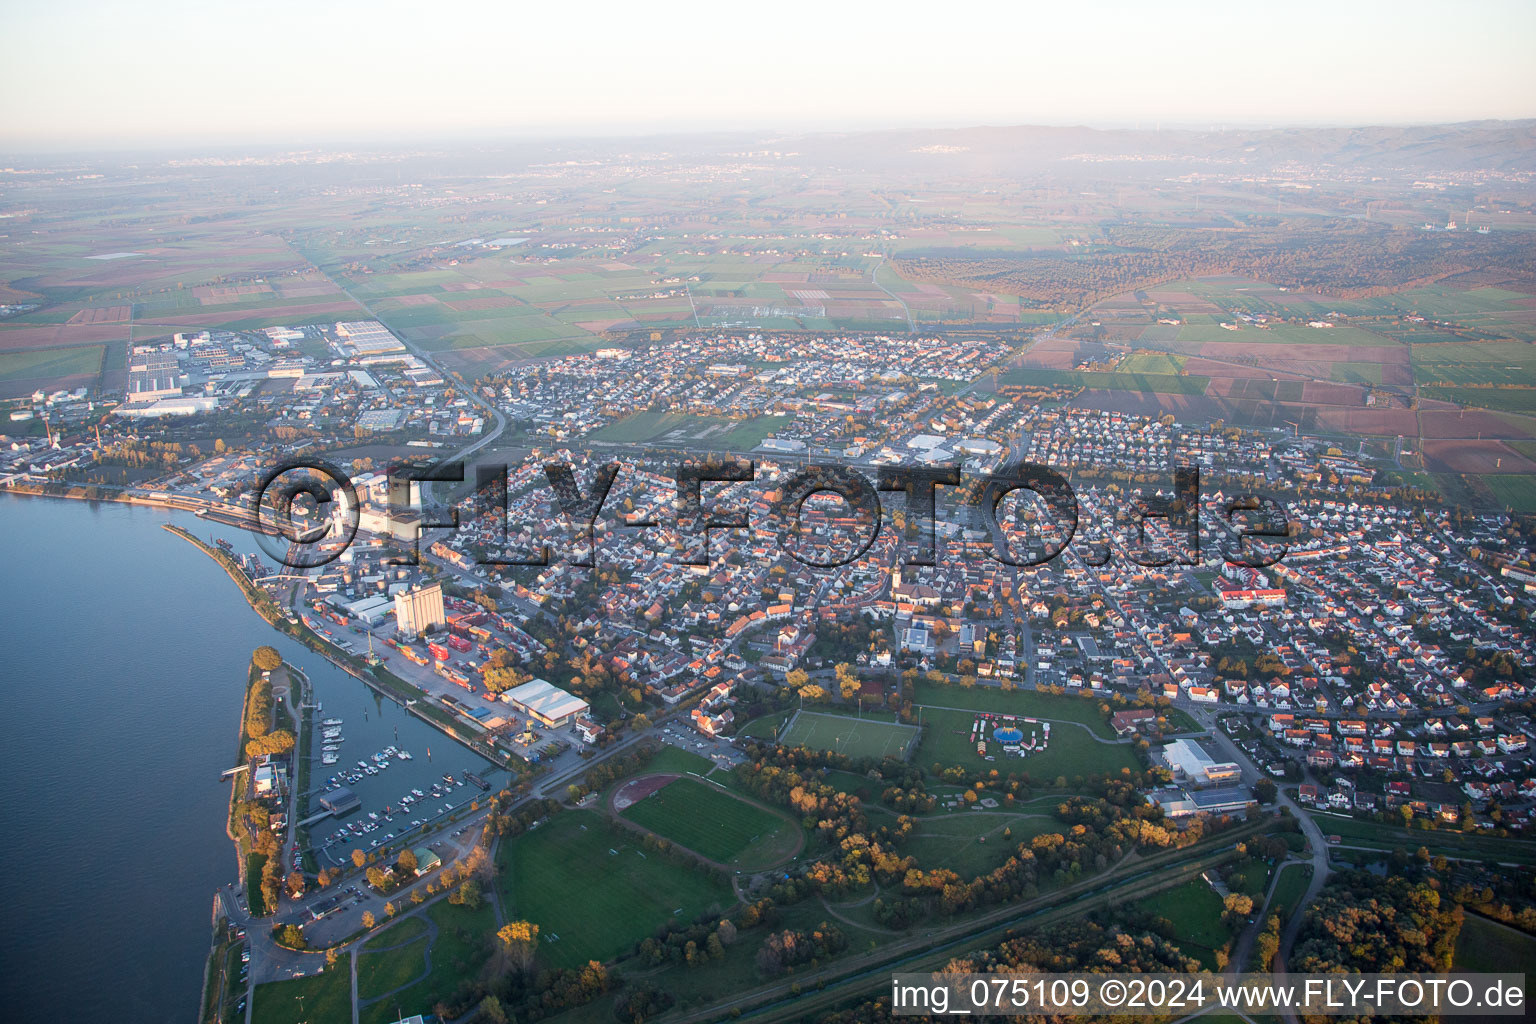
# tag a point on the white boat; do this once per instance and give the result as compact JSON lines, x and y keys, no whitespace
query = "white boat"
{"x":328,"y":758}
{"x":405,"y":755}
{"x":331,"y":721}
{"x":331,"y":749}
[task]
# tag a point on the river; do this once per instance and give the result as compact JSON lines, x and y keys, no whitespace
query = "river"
{"x":125,"y":664}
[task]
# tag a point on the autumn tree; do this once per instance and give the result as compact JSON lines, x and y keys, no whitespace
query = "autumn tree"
{"x":520,"y":940}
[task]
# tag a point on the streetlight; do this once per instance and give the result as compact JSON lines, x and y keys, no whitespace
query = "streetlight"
{"x":301,"y":1008}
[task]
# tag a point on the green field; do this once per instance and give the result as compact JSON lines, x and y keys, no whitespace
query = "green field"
{"x":1502,"y":399}
{"x":1453,"y":844}
{"x":1475,"y":363}
{"x":1283,"y":334}
{"x":1516,"y":492}
{"x":711,"y":822}
{"x":594,"y":892}
{"x":50,"y":363}
{"x":693,"y":431}
{"x":766,"y":727}
{"x":327,"y":999}
{"x":1071,"y":751}
{"x":1162,"y":383}
{"x":1194,"y":909}
{"x":856,"y":737}
{"x":676,"y":759}
{"x":1030,"y":703}
{"x":971,"y":843}
{"x":395,"y":934}
{"x":463,"y":944}
{"x":1488,"y":946}
{"x":379,"y":973}
{"x":1145,"y":361}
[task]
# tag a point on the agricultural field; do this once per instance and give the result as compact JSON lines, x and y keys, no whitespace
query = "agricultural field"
{"x":45,"y":364}
{"x":1475,"y":364}
{"x":594,"y":892}
{"x":1512,"y":491}
{"x":855,"y":737}
{"x":716,"y":824}
{"x":1117,"y":380}
{"x":1071,"y":752}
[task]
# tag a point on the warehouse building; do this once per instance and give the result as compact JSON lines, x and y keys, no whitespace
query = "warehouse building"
{"x":1192,"y":765}
{"x":545,"y":702}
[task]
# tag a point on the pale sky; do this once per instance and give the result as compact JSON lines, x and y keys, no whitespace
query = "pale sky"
{"x":82,"y":74}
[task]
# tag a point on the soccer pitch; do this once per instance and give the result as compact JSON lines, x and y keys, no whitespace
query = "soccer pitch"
{"x":856,"y":737}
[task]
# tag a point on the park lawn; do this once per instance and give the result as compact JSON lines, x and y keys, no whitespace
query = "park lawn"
{"x":1489,"y":947}
{"x":462,"y":946}
{"x":327,"y":999}
{"x":1294,"y":879}
{"x":711,"y":822}
{"x":255,"y":863}
{"x":1051,"y":707}
{"x":850,"y":735}
{"x":594,"y":893}
{"x":1194,"y":909}
{"x":1252,"y":879}
{"x":395,"y":934}
{"x":1070,"y":753}
{"x":676,"y":759}
{"x":971,"y":843}
{"x":379,"y":973}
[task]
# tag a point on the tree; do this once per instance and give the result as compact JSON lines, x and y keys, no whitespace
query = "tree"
{"x":641,"y":723}
{"x":1265,"y":791}
{"x":491,"y":1011}
{"x":293,"y":937}
{"x":266,"y":658}
{"x":367,"y":919}
{"x":467,"y":894}
{"x":359,"y":858}
{"x":520,"y":939}
{"x":407,"y":862}
{"x":295,"y":883}
{"x":797,"y":678}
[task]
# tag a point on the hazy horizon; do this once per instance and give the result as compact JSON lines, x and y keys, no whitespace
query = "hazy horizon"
{"x":87,"y":76}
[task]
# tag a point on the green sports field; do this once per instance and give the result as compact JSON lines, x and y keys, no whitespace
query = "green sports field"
{"x":712,"y":822}
{"x":856,"y":737}
{"x":594,"y":893}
